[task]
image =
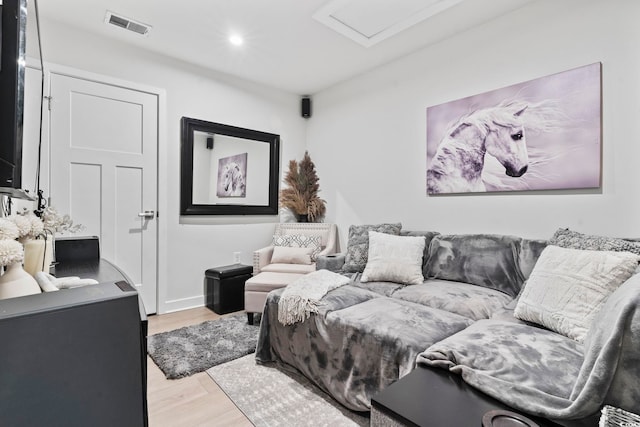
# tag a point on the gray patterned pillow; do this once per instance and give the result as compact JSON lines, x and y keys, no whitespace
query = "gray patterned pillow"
{"x":358,"y":244}
{"x":566,"y":238}
{"x":299,"y":241}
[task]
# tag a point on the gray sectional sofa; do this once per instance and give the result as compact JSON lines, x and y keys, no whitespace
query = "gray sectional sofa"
{"x":366,"y":335}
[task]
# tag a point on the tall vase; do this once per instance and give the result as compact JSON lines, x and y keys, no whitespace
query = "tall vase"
{"x":15,"y":282}
{"x":38,"y":254}
{"x":303,"y":218}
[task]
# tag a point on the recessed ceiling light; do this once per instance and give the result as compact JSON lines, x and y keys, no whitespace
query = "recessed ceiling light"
{"x":236,"y":40}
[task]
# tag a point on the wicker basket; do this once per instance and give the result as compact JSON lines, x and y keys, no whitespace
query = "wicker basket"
{"x":616,"y":417}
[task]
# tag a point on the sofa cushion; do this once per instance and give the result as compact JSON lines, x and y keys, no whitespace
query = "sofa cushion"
{"x":381,"y":324}
{"x":566,"y":238}
{"x":268,"y":281}
{"x":474,"y":302}
{"x":287,"y":255}
{"x":358,"y":244}
{"x":513,"y":355}
{"x":386,"y":289}
{"x":394,"y":259}
{"x":480,"y":259}
{"x":299,"y":241}
{"x":568,"y":287}
{"x":289,"y":268}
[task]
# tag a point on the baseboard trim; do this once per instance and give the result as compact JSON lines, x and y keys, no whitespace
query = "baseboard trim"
{"x":182,"y":304}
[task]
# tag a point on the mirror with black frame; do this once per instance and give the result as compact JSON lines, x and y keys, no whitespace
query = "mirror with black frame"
{"x":228,"y":170}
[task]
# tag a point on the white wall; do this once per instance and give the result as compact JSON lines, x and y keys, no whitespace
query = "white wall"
{"x":377,"y":122}
{"x":188,"y":246}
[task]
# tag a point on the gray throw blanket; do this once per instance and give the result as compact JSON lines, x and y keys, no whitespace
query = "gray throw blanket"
{"x":543,"y":373}
{"x":301,"y":297}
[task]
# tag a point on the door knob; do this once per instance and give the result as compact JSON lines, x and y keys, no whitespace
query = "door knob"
{"x":147,"y":214}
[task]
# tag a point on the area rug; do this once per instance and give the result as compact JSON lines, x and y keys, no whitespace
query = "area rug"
{"x":271,"y":396}
{"x":192,"y":349}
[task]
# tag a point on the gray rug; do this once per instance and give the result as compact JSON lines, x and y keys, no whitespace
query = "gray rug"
{"x":271,"y":396}
{"x":196,"y":348}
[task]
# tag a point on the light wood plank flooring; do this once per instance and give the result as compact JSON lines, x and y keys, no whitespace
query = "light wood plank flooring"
{"x":192,"y":401}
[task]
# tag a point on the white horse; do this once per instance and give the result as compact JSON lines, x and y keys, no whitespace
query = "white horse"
{"x":458,"y":162}
{"x":233,"y":180}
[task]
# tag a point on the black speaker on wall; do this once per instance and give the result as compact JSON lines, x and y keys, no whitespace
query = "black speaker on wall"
{"x":305,"y":106}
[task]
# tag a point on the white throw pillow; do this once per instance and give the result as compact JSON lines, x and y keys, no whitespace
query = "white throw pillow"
{"x":287,"y":255}
{"x":394,"y":259}
{"x":568,"y":287}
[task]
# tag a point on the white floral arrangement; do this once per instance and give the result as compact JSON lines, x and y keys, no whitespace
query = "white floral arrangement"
{"x":17,"y":229}
{"x":8,"y":230}
{"x":56,"y":223}
{"x":11,"y":252}
{"x":29,"y":225}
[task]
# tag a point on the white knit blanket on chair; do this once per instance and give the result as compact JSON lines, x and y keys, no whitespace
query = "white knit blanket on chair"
{"x":301,"y":297}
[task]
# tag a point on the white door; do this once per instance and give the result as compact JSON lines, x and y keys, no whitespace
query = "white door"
{"x":104,"y":171}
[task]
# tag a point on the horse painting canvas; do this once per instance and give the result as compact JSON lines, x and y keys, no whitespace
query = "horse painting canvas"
{"x":543,"y":134}
{"x":232,"y":172}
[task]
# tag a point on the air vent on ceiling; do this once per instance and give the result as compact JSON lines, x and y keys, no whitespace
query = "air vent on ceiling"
{"x":127,"y":24}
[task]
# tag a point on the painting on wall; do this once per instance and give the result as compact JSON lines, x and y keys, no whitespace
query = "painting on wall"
{"x":543,"y":134}
{"x":232,"y":173}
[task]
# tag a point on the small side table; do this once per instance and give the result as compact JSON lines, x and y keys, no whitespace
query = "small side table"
{"x":224,"y":287}
{"x":434,"y":397}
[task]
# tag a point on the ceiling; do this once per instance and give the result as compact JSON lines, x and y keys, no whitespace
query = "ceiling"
{"x":285,"y":46}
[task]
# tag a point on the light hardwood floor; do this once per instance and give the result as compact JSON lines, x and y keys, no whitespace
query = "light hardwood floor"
{"x":192,"y":401}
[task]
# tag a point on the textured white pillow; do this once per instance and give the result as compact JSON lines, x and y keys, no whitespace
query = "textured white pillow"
{"x":287,"y":255}
{"x":568,"y":287}
{"x":394,"y":259}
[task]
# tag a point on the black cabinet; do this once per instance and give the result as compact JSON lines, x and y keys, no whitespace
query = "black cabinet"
{"x":73,"y":358}
{"x":224,"y":287}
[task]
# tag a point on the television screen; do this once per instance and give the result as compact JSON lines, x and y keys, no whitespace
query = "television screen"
{"x":12,"y":69}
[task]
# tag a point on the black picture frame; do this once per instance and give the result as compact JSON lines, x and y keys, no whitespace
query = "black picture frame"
{"x":189,"y":126}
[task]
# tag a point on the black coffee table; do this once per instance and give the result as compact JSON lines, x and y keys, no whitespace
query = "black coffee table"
{"x":435,"y":397}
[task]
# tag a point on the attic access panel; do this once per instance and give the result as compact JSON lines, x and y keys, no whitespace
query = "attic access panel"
{"x":369,"y":22}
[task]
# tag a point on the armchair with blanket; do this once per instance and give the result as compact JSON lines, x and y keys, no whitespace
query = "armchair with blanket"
{"x":291,"y":254}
